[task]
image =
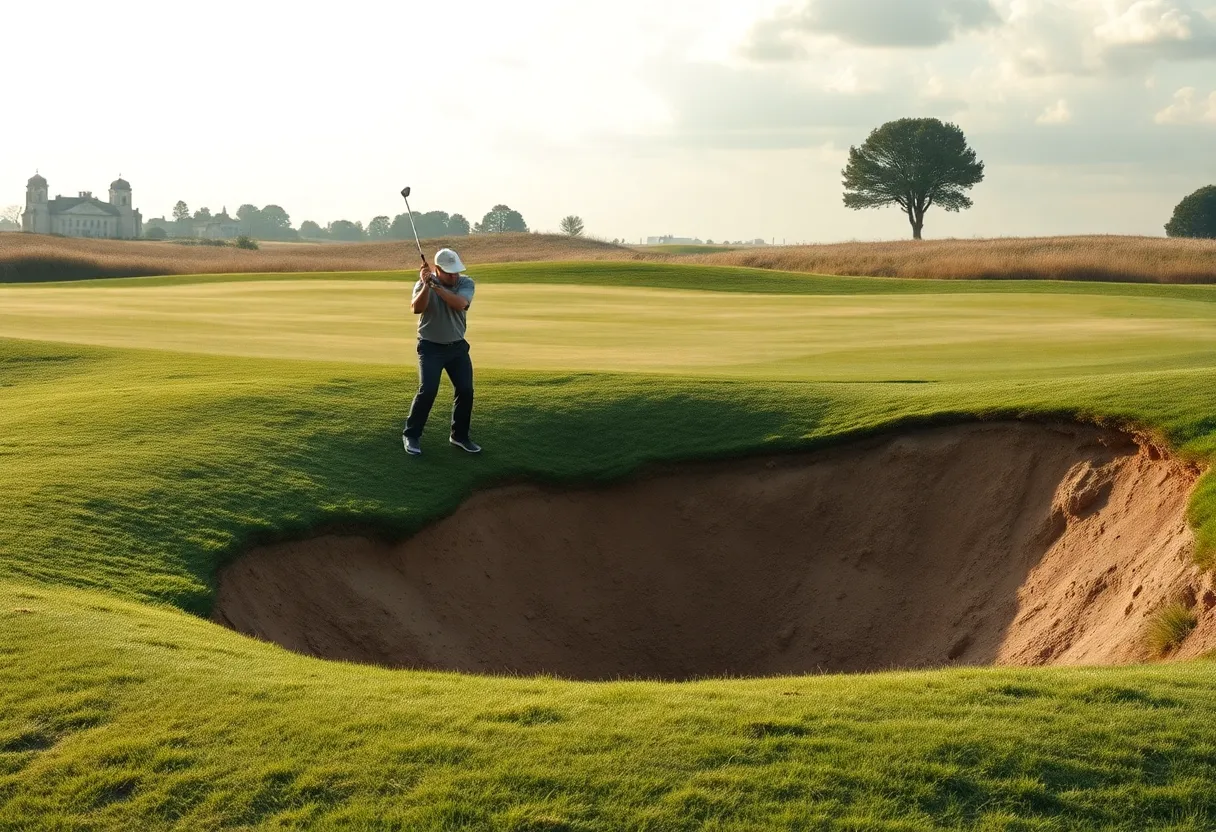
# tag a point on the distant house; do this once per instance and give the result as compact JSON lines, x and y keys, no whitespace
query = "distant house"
{"x":219,"y":227}
{"x":83,"y":215}
{"x":668,"y":240}
{"x":161,"y":223}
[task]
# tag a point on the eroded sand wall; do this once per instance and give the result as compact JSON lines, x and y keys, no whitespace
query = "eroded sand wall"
{"x":1006,"y":543}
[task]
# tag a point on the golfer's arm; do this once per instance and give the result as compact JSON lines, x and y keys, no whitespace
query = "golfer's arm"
{"x":451,"y":299}
{"x":421,"y":298}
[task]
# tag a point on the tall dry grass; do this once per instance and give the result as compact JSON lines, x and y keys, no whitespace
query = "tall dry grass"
{"x":1111,"y":258}
{"x":33,"y":258}
{"x":27,"y":257}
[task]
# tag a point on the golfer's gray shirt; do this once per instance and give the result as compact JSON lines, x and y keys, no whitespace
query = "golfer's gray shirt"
{"x":439,"y":322}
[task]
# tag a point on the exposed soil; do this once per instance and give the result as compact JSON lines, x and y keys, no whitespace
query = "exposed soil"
{"x":998,"y":543}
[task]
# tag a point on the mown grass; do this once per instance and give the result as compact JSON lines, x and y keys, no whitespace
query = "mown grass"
{"x":129,"y":475}
{"x":833,"y":329}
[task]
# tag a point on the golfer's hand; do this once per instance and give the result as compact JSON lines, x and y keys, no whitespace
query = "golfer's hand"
{"x":426,"y":276}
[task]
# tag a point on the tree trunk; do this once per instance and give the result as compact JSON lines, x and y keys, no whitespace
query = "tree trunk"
{"x":916,"y":215}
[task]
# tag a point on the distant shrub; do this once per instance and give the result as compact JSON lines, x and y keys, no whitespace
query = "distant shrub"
{"x":194,"y":241}
{"x":1195,"y":215}
{"x":1169,"y":628}
{"x":246,"y":242}
{"x":156,"y":233}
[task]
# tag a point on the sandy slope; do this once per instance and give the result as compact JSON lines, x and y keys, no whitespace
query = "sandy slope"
{"x":1005,"y":543}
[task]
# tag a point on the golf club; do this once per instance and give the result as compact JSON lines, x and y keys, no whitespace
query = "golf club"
{"x":405,"y":194}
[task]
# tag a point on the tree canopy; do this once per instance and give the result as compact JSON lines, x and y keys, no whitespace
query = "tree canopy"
{"x":378,"y":228}
{"x":1195,"y":215}
{"x":249,"y":217}
{"x":347,"y":231}
{"x":10,"y":218}
{"x":914,"y":163}
{"x":500,"y":219}
{"x":431,"y":224}
{"x":572,"y":225}
{"x":272,"y":222}
{"x":275,"y":222}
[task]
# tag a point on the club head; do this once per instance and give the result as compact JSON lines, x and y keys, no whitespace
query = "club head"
{"x":405,"y":192}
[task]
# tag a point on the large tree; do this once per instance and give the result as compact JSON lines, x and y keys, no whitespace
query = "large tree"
{"x":378,"y":228}
{"x":347,"y":231}
{"x":1195,"y":216}
{"x":458,"y":226}
{"x":181,"y":211}
{"x":432,"y":224}
{"x":274,"y":224}
{"x":914,"y":163}
{"x":250,"y":219}
{"x":572,"y":225}
{"x":499,"y":220}
{"x":10,"y":218}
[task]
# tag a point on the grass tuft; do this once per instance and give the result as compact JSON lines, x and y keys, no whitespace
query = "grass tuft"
{"x":1169,"y":627}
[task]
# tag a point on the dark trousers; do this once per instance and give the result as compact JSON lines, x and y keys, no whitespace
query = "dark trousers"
{"x":433,"y":360}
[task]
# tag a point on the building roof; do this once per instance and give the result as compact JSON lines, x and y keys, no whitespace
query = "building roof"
{"x":60,"y":204}
{"x":36,"y":179}
{"x":120,"y":184}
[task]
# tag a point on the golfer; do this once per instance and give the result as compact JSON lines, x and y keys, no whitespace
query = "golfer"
{"x":441,"y":299}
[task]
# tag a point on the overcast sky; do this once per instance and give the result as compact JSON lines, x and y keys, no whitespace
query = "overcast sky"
{"x":710,"y":118}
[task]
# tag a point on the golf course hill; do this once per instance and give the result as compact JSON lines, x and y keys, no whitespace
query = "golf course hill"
{"x":33,"y":257}
{"x":746,"y":549}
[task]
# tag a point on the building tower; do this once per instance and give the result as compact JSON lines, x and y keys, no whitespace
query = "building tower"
{"x":37,"y":216}
{"x":130,"y":221}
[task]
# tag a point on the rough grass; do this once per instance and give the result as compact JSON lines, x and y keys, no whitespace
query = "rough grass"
{"x":686,"y":248}
{"x":118,"y":716}
{"x":29,"y":258}
{"x":1169,"y":628}
{"x":128,"y":475}
{"x":1104,"y":258}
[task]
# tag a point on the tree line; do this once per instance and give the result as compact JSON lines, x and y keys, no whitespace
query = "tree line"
{"x":272,"y":222}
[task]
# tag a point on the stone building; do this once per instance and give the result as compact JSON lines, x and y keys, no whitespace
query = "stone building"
{"x":81,"y":216}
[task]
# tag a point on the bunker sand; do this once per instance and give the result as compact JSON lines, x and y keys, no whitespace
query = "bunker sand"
{"x":996,"y":543}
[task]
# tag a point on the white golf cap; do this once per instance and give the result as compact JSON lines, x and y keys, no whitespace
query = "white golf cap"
{"x":449,"y":261}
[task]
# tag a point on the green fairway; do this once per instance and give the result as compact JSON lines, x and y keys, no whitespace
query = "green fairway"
{"x":880,"y":335}
{"x":150,"y":429}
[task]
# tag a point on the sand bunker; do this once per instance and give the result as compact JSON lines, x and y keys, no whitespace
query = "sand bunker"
{"x":999,"y":543}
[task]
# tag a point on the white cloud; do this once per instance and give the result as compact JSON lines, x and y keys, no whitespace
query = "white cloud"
{"x":1102,"y":37}
{"x":1187,"y":109}
{"x":868,"y":23}
{"x":1058,"y":113}
{"x":1147,"y":22}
